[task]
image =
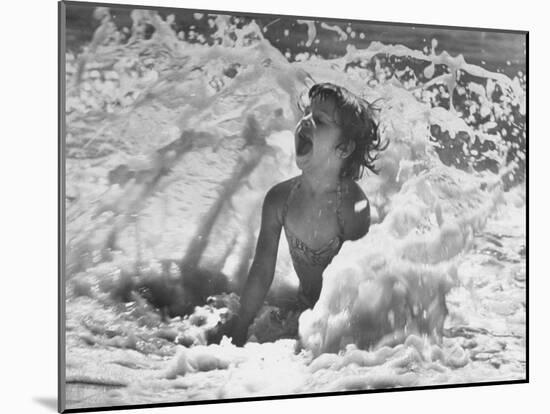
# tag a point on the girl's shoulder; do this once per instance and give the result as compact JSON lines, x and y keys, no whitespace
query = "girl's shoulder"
{"x":355,"y":211}
{"x":277,"y":196}
{"x":280,"y":191}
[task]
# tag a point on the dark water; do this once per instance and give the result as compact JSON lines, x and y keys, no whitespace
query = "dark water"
{"x":497,"y":51}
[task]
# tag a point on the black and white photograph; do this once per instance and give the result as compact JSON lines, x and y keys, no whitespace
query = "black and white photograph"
{"x":274,"y":206}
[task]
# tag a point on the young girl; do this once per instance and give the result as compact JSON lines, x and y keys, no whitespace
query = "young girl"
{"x":321,"y":208}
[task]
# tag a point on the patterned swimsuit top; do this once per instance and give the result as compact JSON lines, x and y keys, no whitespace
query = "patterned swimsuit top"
{"x":300,"y":252}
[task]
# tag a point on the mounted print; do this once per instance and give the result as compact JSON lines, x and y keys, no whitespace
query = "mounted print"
{"x":264,"y":206}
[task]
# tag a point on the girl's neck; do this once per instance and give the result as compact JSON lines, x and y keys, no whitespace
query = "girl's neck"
{"x":320,"y":184}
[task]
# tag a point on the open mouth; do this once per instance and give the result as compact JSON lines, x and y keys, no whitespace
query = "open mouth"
{"x":304,"y":144}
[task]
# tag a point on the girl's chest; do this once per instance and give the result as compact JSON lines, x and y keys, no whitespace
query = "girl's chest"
{"x":314,"y":223}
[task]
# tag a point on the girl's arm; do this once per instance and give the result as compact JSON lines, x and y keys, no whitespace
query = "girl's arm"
{"x":357,"y":214}
{"x":262,"y":270}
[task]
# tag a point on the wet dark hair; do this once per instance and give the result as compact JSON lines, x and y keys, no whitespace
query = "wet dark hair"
{"x":357,"y":124}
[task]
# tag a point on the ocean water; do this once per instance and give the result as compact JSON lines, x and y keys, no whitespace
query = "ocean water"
{"x":171,"y":145}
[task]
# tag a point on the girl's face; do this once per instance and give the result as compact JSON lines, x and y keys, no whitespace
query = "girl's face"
{"x":317,"y":135}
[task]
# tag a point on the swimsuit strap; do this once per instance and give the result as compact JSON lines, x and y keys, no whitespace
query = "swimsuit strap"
{"x":291,"y":192}
{"x":339,"y":217}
